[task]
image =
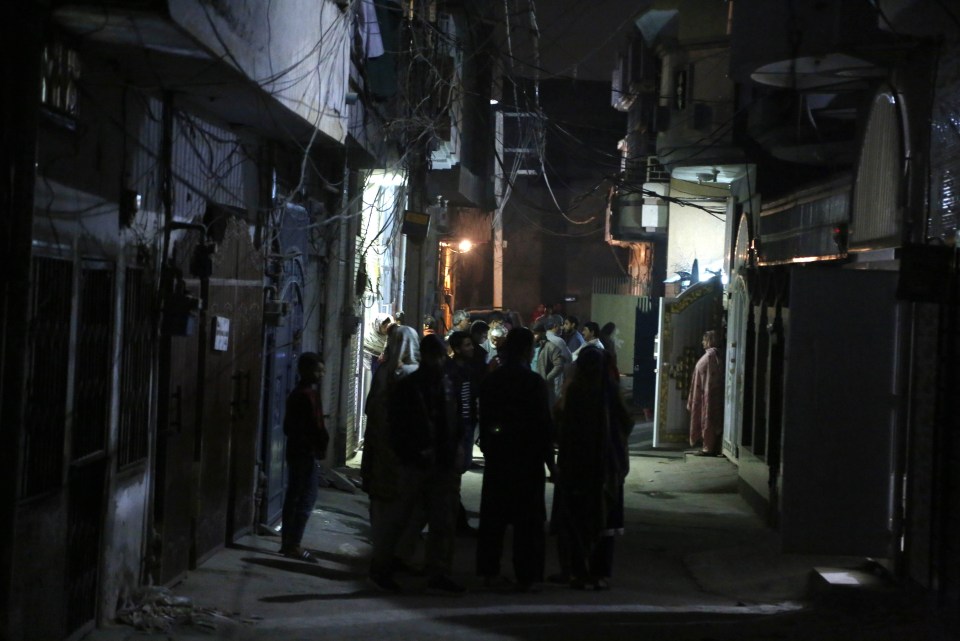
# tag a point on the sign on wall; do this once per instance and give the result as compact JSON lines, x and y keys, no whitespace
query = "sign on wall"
{"x":221,"y":333}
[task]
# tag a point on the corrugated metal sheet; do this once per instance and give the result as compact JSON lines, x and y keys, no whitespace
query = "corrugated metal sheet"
{"x":945,"y":149}
{"x":207,"y":165}
{"x":354,"y":365}
{"x":804,"y":227}
{"x":876,"y":219}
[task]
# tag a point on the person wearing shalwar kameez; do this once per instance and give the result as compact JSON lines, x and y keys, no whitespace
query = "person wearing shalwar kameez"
{"x":706,"y":399}
{"x":379,"y":467}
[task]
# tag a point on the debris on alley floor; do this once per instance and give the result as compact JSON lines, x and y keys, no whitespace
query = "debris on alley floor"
{"x":340,"y":479}
{"x":157,"y":609}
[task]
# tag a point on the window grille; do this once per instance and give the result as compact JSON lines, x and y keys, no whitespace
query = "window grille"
{"x":61,"y":75}
{"x":91,"y":397}
{"x":522,"y":143}
{"x":48,"y":355}
{"x":135,"y":367}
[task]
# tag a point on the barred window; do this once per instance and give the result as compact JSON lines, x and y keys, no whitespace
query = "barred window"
{"x":61,"y":76}
{"x":135,"y":368}
{"x":48,"y":355}
{"x":91,"y":396}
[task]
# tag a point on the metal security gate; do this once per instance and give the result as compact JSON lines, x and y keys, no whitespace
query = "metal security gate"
{"x":230,"y":361}
{"x":644,"y":355}
{"x":176,"y":446}
{"x":47,"y":376}
{"x":682,"y":323}
{"x":84,"y":529}
{"x":86,"y":478}
{"x":245,"y":405}
{"x":210,"y":401}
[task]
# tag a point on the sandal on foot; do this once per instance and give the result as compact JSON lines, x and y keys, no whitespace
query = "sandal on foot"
{"x":299,"y":554}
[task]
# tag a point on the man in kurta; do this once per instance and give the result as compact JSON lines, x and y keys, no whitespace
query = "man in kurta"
{"x":706,"y":399}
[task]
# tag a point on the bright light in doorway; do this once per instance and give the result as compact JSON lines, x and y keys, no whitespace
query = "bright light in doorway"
{"x":381,"y":178}
{"x":465,"y":245}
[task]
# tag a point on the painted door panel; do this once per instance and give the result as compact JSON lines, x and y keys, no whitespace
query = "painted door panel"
{"x":840,"y":412}
{"x":176,"y":437}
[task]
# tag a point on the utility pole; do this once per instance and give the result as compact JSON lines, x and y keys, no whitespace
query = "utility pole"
{"x":500,"y":197}
{"x":420,"y":83}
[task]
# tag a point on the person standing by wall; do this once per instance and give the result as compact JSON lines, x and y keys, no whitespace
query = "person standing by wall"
{"x":706,"y":398}
{"x":307,"y":440}
{"x":375,"y":341}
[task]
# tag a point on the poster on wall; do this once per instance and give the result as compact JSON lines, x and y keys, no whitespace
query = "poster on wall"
{"x":221,"y":333}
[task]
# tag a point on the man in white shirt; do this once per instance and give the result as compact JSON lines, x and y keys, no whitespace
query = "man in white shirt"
{"x":553,"y":358}
{"x":591,"y":334}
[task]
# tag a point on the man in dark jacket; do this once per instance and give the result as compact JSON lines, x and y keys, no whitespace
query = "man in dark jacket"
{"x":307,"y":440}
{"x":464,"y":380}
{"x":425,"y":435}
{"x":479,"y":331}
{"x":516,"y":436}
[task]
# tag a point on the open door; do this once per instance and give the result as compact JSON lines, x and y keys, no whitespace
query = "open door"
{"x":683,"y":320}
{"x":840,"y":412}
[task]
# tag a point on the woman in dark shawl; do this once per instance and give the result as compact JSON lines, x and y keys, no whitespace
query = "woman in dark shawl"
{"x":592,"y":464}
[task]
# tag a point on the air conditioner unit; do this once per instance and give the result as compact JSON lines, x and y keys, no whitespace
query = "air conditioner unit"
{"x":655,"y":207}
{"x":639,"y":216}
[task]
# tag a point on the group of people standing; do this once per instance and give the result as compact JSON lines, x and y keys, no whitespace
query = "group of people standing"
{"x":535,"y":412}
{"x":543,"y":404}
{"x":592,"y":425}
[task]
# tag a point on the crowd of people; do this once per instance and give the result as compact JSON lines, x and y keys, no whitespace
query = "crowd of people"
{"x":542,"y":403}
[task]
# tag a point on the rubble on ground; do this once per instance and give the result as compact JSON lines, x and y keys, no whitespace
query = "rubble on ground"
{"x":158,"y":609}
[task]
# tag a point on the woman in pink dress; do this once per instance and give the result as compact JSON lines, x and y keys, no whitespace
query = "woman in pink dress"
{"x":706,"y":399}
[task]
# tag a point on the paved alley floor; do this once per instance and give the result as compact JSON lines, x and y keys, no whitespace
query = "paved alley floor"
{"x":695,"y":563}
